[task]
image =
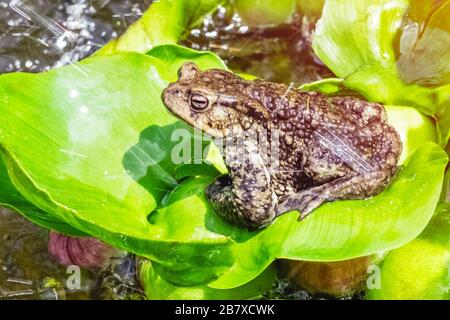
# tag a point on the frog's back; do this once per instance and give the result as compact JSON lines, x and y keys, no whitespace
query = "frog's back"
{"x":310,"y":109}
{"x":330,"y":136}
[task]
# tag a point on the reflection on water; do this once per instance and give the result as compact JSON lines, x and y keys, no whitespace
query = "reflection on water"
{"x":28,"y":271}
{"x":25,"y":262}
{"x":37,"y":35}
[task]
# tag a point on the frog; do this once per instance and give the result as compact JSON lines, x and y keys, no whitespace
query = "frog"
{"x":329,"y":148}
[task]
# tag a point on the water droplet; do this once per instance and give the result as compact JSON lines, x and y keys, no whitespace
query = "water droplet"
{"x":212,"y":34}
{"x":243,"y":29}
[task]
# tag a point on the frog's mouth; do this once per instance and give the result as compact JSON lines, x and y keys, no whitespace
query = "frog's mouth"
{"x":212,"y":132}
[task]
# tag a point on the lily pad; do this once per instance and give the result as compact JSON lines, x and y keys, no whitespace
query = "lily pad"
{"x":10,"y":197}
{"x":90,"y":145}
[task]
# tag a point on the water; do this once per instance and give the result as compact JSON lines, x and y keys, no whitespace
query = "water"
{"x":24,"y":259}
{"x":280,"y":54}
{"x":37,"y":35}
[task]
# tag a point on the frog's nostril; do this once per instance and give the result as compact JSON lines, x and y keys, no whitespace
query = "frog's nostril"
{"x":171,"y":95}
{"x":174,"y":92}
{"x":170,"y":92}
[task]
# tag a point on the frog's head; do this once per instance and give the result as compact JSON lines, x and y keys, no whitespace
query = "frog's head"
{"x":213,"y":101}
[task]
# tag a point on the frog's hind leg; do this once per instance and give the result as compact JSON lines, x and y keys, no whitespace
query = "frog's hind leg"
{"x":358,"y":177}
{"x":354,"y":187}
{"x":220,"y":195}
{"x":245,"y":197}
{"x":249,"y":208}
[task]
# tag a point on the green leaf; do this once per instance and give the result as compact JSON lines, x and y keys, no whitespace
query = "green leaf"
{"x":358,"y":40}
{"x":424,"y":55}
{"x":310,"y":8}
{"x":420,"y":269}
{"x":91,"y":145}
{"x":165,"y":22}
{"x":10,"y":197}
{"x":329,"y":86}
{"x":265,"y":12}
{"x":156,"y":288}
{"x":336,"y":231}
{"x":173,"y":56}
{"x":185,"y":217}
{"x":192,"y":170}
{"x":353,"y":34}
{"x":414,"y":128}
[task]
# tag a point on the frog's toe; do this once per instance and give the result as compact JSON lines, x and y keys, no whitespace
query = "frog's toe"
{"x":309,"y":208}
{"x":304,"y":202}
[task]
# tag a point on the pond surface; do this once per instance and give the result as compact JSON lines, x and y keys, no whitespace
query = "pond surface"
{"x":39,"y":35}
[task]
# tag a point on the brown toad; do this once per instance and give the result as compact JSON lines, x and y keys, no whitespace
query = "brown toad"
{"x":329,"y":148}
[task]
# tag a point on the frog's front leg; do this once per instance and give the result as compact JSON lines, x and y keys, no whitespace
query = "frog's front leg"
{"x":245,"y":196}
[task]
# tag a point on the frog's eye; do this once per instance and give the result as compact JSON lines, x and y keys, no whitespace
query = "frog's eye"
{"x":199,"y":102}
